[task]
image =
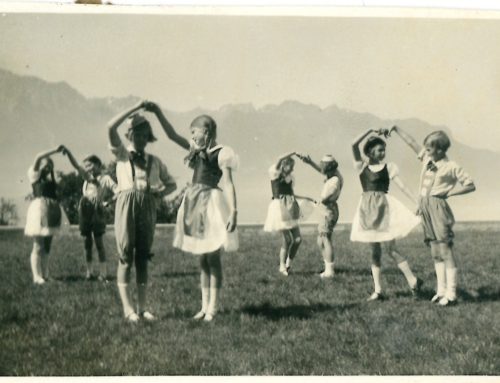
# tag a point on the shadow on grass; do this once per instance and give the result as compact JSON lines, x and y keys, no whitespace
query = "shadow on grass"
{"x":270,"y":312}
{"x":340,"y":271}
{"x":82,"y":278}
{"x":180,"y":274}
{"x":482,"y":294}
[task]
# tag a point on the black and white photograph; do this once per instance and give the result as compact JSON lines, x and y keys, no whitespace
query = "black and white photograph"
{"x":249,"y":191}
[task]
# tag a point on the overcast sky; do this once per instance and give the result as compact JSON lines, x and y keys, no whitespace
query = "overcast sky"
{"x":441,"y":71}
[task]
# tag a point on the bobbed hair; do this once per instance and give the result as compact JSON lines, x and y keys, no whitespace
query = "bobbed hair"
{"x":438,"y":140}
{"x":371,"y":143}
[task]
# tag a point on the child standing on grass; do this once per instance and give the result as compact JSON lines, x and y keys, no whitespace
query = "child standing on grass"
{"x":206,"y":220}
{"x":438,"y":181}
{"x":381,"y":218}
{"x":92,"y":209}
{"x":328,"y":208}
{"x":142,"y":180}
{"x":284,"y":211}
{"x":44,"y":213}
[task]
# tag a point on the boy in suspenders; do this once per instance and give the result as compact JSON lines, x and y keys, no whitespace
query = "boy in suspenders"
{"x":142,"y":180}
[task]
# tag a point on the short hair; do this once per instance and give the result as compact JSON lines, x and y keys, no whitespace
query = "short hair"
{"x":371,"y":143}
{"x":330,"y":163}
{"x":94,"y":159}
{"x":285,"y":161}
{"x":439,"y":140}
{"x":206,"y":122}
{"x":138,"y":122}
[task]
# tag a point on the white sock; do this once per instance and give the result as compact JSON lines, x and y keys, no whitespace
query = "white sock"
{"x":329,"y":270}
{"x":103,"y":272}
{"x":288,"y":261}
{"x":440,"y":278}
{"x":376,"y":279}
{"x":123,"y":290}
{"x":451,"y":284}
{"x":205,"y":298}
{"x":36,"y":267}
{"x":213,"y":302}
{"x":405,"y":268}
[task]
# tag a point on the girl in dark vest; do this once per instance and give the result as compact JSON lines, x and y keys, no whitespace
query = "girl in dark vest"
{"x":44,"y":213}
{"x":381,"y":218}
{"x":284,"y":212}
{"x":206,"y":220}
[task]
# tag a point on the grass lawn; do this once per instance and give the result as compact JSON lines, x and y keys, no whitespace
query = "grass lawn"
{"x":269,"y":324}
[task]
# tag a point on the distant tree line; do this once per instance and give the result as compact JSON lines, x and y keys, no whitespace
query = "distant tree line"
{"x":8,"y":212}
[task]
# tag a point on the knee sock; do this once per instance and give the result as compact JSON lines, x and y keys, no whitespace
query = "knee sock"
{"x":451,"y":284}
{"x":376,"y":278}
{"x":213,"y":301}
{"x":405,"y":268}
{"x":205,"y":299}
{"x":123,"y":290}
{"x":440,"y":278}
{"x":36,"y":267}
{"x":329,"y":268}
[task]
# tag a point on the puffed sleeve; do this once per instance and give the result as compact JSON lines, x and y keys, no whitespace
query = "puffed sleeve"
{"x":33,"y":175}
{"x":461,"y":175}
{"x":119,"y":151}
{"x":330,"y":187}
{"x":228,"y":158}
{"x":109,"y":183}
{"x":392,"y":169}
{"x":273,"y":172}
{"x":359,"y":166}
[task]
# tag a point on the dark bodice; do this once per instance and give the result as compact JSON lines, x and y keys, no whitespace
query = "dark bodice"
{"x":206,"y":168}
{"x":44,"y":188}
{"x":280,"y":187}
{"x":375,"y":181}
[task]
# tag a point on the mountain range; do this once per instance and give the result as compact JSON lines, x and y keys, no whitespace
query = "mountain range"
{"x":36,"y":115}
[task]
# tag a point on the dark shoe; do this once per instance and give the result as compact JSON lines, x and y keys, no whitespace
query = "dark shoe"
{"x":417,"y":289}
{"x":376,"y":297}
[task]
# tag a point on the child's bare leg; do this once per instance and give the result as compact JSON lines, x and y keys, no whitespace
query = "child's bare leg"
{"x":215,"y":265}
{"x":47,"y":242}
{"x":391,"y":250}
{"x":204,"y":285}
{"x":99,"y":244}
{"x":36,"y":260}
{"x":297,"y":240}
{"x":440,"y":268}
{"x":446,"y":253}
{"x":87,"y":242}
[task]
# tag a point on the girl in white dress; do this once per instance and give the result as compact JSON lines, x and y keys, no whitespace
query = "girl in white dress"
{"x":380,"y":218}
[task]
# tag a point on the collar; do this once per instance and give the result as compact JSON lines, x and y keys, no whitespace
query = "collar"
{"x":440,"y":162}
{"x":130,"y":148}
{"x":213,"y":148}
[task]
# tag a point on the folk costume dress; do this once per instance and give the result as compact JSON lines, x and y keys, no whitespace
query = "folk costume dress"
{"x":204,"y":211}
{"x":283,"y":212}
{"x":91,"y":209}
{"x":44,"y":214}
{"x":380,"y":217}
{"x":141,"y":178}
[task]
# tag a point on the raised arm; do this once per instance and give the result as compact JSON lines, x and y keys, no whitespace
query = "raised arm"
{"x":113,"y":125}
{"x":409,"y":140}
{"x":166,"y":125}
{"x":404,"y":189}
{"x":73,"y":161}
{"x":230,"y":193}
{"x":40,"y":156}
{"x":355,"y":144}
{"x":307,"y":159}
{"x":281,"y":158}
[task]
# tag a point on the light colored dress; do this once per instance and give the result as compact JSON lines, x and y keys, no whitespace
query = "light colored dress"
{"x":380,"y":217}
{"x":204,"y":211}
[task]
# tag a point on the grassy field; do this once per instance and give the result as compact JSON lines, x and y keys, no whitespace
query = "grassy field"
{"x":269,"y":324}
